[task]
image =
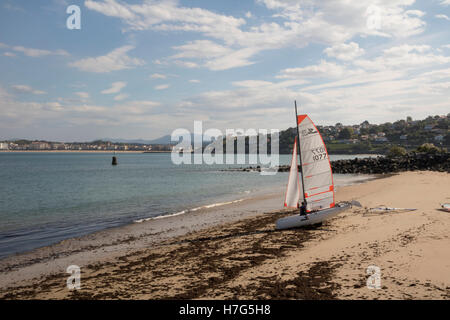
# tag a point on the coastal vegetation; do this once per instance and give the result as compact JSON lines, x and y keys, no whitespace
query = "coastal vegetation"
{"x":370,"y":138}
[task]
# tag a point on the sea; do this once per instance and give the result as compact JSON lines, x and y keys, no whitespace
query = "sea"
{"x":49,"y":197}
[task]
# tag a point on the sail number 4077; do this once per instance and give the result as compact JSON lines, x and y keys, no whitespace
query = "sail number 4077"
{"x":319,"y":153}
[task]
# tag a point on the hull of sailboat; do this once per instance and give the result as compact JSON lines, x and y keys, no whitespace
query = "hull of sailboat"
{"x":311,"y":219}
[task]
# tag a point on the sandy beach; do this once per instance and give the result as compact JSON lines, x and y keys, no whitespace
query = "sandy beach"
{"x":235,"y":253}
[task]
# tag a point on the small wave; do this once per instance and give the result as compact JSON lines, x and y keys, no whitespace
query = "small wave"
{"x":218,"y":204}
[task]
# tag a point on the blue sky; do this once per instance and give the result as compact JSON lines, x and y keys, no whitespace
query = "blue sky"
{"x":140,"y":69}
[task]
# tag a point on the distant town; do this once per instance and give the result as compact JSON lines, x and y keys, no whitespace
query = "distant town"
{"x":344,"y":139}
{"x":98,"y":145}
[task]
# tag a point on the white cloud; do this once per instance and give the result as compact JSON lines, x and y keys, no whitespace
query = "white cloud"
{"x":31,"y":52}
{"x":4,"y":94}
{"x":344,"y":51}
{"x":404,"y":57}
{"x":162,"y":87}
{"x":9,"y":54}
{"x":194,"y":81}
{"x":252,"y":83}
{"x":402,"y":80}
{"x":158,"y":76}
{"x":200,"y":49}
{"x":113,"y":61}
{"x":213,"y":55}
{"x":238,"y":58}
{"x":442,"y":16}
{"x":21,"y":88}
{"x":115,"y":87}
{"x":305,"y":21}
{"x":35,"y":53}
{"x":53,"y":106}
{"x":165,"y":15}
{"x":445,"y":2}
{"x":350,"y":17}
{"x":82,"y":94}
{"x":248,"y":14}
{"x":121,"y":96}
{"x":322,"y":70}
{"x":186,"y":64}
{"x":18,"y":115}
{"x":241,"y":98}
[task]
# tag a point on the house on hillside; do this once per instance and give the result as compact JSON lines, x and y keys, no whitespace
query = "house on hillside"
{"x":439,"y":138}
{"x":364,"y":137}
{"x":381,"y":139}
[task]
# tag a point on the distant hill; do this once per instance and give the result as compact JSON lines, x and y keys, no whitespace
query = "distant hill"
{"x":162,"y":140}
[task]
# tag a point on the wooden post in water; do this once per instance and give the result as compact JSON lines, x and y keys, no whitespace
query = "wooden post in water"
{"x":114,"y":160}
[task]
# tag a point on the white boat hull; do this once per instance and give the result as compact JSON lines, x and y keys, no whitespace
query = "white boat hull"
{"x":311,"y":218}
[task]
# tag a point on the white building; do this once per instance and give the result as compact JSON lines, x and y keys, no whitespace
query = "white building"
{"x":4,"y":146}
{"x":381,"y":139}
{"x":37,"y":145}
{"x":439,"y":138}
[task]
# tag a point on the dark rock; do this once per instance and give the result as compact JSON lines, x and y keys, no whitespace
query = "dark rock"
{"x":410,"y":162}
{"x":380,"y":165}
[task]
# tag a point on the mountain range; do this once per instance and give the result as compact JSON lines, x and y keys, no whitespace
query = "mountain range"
{"x":161,"y":140}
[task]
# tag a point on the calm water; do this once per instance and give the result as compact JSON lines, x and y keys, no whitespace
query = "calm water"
{"x":47,"y":197}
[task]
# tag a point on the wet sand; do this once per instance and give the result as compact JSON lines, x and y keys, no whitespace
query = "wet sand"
{"x":245,"y":258}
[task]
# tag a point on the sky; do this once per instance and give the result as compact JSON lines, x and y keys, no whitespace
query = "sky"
{"x":142,"y":68}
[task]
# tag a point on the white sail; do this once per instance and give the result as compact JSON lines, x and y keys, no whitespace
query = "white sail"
{"x":293,"y":187}
{"x":316,"y":167}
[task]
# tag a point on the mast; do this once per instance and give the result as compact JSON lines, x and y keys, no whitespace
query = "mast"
{"x":299,"y":153}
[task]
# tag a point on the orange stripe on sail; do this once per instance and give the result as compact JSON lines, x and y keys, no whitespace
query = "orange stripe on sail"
{"x":300,"y":118}
{"x":329,"y":163}
{"x":312,"y":195}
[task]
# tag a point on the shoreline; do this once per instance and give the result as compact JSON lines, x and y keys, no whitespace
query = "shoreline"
{"x":145,"y":151}
{"x":151,"y":229}
{"x":104,"y":244}
{"x":80,"y":151}
{"x":349,"y":179}
{"x":245,"y":258}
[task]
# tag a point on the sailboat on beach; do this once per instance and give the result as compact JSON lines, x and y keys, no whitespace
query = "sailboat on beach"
{"x":313,"y":185}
